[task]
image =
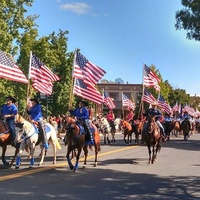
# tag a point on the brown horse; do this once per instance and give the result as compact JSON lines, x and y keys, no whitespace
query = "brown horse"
{"x":153,"y":139}
{"x":77,"y":140}
{"x":5,"y":140}
{"x":177,"y":128}
{"x":127,"y":131}
{"x":139,"y":126}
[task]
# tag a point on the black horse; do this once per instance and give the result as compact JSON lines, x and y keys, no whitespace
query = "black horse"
{"x":168,"y":127}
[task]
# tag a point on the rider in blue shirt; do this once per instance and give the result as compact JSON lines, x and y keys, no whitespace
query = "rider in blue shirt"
{"x":167,"y":118}
{"x":82,"y":115}
{"x":153,"y":111}
{"x":8,"y":111}
{"x":35,"y":112}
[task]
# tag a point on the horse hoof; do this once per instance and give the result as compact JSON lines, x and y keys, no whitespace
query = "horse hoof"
{"x":95,"y":164}
{"x":71,"y":167}
{"x":54,"y":162}
{"x":16,"y":167}
{"x":7,"y":164}
{"x":30,"y":167}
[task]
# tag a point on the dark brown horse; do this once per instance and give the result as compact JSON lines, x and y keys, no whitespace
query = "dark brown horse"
{"x":77,"y":140}
{"x":185,"y":126}
{"x":152,"y":137}
{"x":5,"y":140}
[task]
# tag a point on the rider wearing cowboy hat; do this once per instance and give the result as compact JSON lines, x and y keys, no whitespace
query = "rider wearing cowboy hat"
{"x":35,"y":113}
{"x":8,"y":111}
{"x":154,"y":111}
{"x":82,"y":114}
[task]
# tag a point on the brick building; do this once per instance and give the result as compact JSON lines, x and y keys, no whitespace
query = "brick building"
{"x":115,"y":91}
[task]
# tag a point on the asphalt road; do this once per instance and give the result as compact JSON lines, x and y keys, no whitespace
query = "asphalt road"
{"x":122,"y":172}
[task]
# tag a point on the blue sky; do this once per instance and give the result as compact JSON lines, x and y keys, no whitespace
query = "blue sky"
{"x":122,"y":35}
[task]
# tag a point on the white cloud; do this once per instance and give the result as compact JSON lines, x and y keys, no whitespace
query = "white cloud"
{"x":80,"y":8}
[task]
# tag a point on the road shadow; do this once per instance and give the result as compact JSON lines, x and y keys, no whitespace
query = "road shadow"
{"x":98,"y":184}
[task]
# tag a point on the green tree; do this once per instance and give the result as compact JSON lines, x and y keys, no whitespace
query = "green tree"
{"x":188,"y":19}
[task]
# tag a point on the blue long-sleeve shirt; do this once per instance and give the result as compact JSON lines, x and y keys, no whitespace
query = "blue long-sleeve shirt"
{"x":81,"y":113}
{"x":154,"y":112}
{"x":35,"y":112}
{"x":9,"y":110}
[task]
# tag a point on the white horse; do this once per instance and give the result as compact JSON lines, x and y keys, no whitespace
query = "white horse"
{"x":106,"y":130}
{"x":28,"y":136}
{"x":117,"y":124}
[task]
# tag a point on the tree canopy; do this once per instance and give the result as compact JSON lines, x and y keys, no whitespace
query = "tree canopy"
{"x":188,"y":19}
{"x":19,"y":35}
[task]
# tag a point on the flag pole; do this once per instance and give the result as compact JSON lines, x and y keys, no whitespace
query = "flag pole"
{"x":122,"y":107}
{"x":141,"y":107}
{"x":29,"y":75}
{"x":72,"y":83}
{"x":28,"y":85}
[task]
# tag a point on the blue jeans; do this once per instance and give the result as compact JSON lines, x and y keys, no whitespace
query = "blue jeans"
{"x":161,"y":127}
{"x":11,"y":126}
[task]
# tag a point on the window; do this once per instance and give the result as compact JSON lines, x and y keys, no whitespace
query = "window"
{"x":114,"y":96}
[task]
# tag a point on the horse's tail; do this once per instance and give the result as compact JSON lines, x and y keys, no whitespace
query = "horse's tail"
{"x":57,"y":144}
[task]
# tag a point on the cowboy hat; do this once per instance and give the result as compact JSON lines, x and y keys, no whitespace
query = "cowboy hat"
{"x":13,"y":99}
{"x":35,"y":99}
{"x":154,"y":103}
{"x":84,"y":102}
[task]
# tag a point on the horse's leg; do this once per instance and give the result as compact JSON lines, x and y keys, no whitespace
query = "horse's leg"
{"x":42,"y":155}
{"x":113,"y":136}
{"x":69,"y":150}
{"x":131,"y":137}
{"x":16,"y":152}
{"x":149,"y":150}
{"x":3,"y":157}
{"x":104,"y":136}
{"x":125,"y":138}
{"x":18,"y":159}
{"x":32,"y":161}
{"x":54,"y":151}
{"x":77,"y":159}
{"x":108,"y":137}
{"x":97,"y":149}
{"x":154,"y":154}
{"x":85,"y":149}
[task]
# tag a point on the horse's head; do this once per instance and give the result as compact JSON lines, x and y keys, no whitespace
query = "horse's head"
{"x":19,"y":121}
{"x":152,"y":124}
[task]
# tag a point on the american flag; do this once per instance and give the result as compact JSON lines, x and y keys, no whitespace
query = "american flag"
{"x":127,"y":102}
{"x":88,"y":92}
{"x":148,"y":97}
{"x":150,"y":79}
{"x":108,"y":101}
{"x":9,"y":70}
{"x":175,"y":108}
{"x":164,"y":105}
{"x":41,"y":76}
{"x":85,"y":70}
